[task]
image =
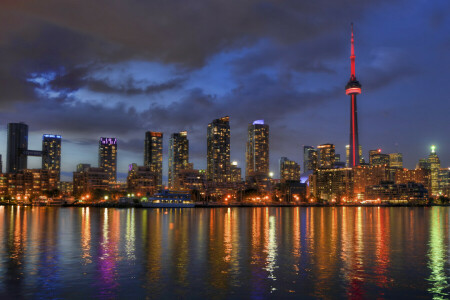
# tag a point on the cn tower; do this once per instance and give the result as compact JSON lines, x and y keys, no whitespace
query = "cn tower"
{"x":353,"y":88}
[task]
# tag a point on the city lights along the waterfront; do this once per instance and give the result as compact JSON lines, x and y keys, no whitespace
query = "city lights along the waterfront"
{"x":207,"y":151}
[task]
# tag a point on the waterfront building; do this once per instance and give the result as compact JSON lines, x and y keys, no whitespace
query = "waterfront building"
{"x":153,"y":154}
{"x":66,"y":187}
{"x":310,"y":159}
{"x":178,"y":156}
{"x":396,"y":160}
{"x":27,"y":184}
{"x":192,"y":179}
{"x":435,"y":166}
{"x":369,"y":175}
{"x":422,"y":176}
{"x":257,"y":151}
{"x":390,"y":192}
{"x":289,"y":170}
{"x":236,"y":172}
{"x":89,"y":179}
{"x":141,"y":180}
{"x":444,"y":182}
{"x":51,"y":153}
{"x":17,"y":144}
{"x":107,"y":157}
{"x":353,"y":88}
{"x":334,"y":185}
{"x":292,"y":191}
{"x":218,"y":151}
{"x":326,"y":156}
{"x":376,"y":158}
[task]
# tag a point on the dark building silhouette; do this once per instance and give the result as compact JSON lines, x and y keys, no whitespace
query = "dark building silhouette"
{"x":16,"y":158}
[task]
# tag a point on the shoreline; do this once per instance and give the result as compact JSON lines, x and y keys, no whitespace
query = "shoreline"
{"x":203,"y":205}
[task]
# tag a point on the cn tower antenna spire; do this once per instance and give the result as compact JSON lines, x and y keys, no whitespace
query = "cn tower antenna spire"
{"x":353,"y":88}
{"x":352,"y":57}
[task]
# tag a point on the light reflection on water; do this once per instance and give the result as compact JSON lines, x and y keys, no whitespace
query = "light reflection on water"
{"x":222,"y":253}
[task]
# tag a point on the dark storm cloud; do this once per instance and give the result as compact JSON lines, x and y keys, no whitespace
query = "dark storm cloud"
{"x":76,"y":117}
{"x":188,"y":32}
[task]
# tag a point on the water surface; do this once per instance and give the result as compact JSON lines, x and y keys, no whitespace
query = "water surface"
{"x":222,"y":253}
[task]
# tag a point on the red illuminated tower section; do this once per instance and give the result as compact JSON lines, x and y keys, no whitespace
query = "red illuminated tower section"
{"x":353,"y":88}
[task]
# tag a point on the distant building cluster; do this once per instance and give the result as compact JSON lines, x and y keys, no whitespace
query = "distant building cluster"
{"x":325,"y":178}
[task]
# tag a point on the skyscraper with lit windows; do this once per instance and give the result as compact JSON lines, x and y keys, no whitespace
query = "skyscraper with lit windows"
{"x":51,"y":153}
{"x":153,"y":154}
{"x":310,"y":159}
{"x":435,"y":166}
{"x":257,"y":152}
{"x":326,"y":156}
{"x":218,"y":165}
{"x":396,"y":160}
{"x":107,"y":157}
{"x":178,"y":156}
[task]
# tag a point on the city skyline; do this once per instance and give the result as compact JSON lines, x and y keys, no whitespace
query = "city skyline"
{"x":367,"y":155}
{"x":290,"y":78}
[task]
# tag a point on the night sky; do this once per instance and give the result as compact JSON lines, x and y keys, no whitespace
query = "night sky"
{"x":86,"y":69}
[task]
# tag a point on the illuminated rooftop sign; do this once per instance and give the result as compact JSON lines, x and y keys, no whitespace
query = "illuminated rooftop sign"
{"x":258,"y":122}
{"x":108,"y":141}
{"x":52,"y":136}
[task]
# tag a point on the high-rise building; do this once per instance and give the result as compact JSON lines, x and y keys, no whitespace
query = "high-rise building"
{"x":236,"y":172}
{"x":435,"y":166}
{"x":16,"y":159}
{"x":257,"y":153}
{"x":107,"y":157}
{"x":178,"y":156}
{"x":376,"y":158}
{"x":310,"y":158}
{"x":51,"y":153}
{"x":396,"y":160}
{"x":289,"y":170}
{"x":347,"y":155}
{"x":218,"y":151}
{"x":353,"y":88}
{"x":326,"y":156}
{"x":153,"y":154}
{"x":1,"y":164}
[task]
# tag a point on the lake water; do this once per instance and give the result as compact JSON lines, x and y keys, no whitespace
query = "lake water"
{"x":223,"y":253}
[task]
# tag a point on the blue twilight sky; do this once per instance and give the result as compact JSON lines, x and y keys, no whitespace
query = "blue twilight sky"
{"x":119,"y":68}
